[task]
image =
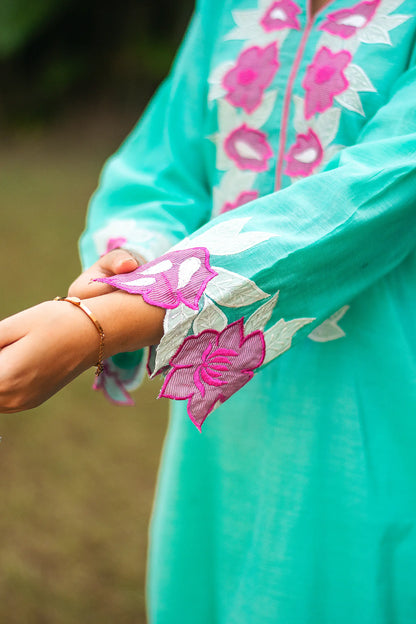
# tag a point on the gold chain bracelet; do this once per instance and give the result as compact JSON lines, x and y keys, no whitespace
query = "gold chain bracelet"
{"x":77,"y":302}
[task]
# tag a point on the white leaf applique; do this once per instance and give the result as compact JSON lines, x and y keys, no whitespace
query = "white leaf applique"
{"x":358,"y":79}
{"x":176,"y":325}
{"x":300,"y":123}
{"x":226,"y":238}
{"x":329,"y":329}
{"x":351,"y":100}
{"x":216,"y":89}
{"x":232,"y":184}
{"x":278,"y":338}
{"x":375,"y":34}
{"x":210,"y":317}
{"x":233,"y":290}
{"x":259,"y":319}
{"x":327,"y":124}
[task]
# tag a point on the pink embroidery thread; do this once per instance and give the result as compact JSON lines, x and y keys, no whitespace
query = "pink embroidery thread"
{"x":174,"y":278}
{"x":254,"y":71}
{"x":115,"y":243}
{"x":244,"y":198}
{"x":211,"y":367}
{"x":304,"y":156}
{"x":248,"y":148}
{"x":281,"y":14}
{"x":345,"y":22}
{"x":324,"y":79}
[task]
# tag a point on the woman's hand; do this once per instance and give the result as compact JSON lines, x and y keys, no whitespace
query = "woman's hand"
{"x":45,"y":347}
{"x":112,"y":263}
{"x":41,"y":350}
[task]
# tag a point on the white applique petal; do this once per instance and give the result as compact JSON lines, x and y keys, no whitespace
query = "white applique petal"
{"x":187,"y":269}
{"x":351,"y":100}
{"x":233,"y":290}
{"x":278,"y":338}
{"x":299,"y":122}
{"x":177,"y":324}
{"x":210,"y":317}
{"x":329,"y":330}
{"x":160,"y":267}
{"x":358,"y":79}
{"x":374,"y":34}
{"x":142,"y":281}
{"x":327,"y":125}
{"x":259,"y":319}
{"x":226,"y":238}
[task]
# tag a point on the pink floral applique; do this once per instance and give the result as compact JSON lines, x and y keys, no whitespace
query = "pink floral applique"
{"x":208,"y":368}
{"x":254,"y":71}
{"x":174,"y":278}
{"x":248,"y":148}
{"x":281,"y":14}
{"x":304,"y":156}
{"x":115,"y":243}
{"x":244,"y":198}
{"x":345,"y":22}
{"x":112,"y":384}
{"x":324,"y":80}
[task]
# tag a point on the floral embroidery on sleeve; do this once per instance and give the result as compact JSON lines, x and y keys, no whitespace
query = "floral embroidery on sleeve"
{"x":205,"y":357}
{"x":212,"y":366}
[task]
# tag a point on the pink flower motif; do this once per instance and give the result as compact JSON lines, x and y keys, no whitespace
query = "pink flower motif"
{"x":345,"y":22}
{"x":248,"y":148}
{"x":208,"y":368}
{"x":281,"y":14}
{"x":115,"y":243}
{"x":252,"y":74}
{"x":174,"y":278}
{"x":304,"y":156}
{"x":244,"y":198}
{"x":324,"y":80}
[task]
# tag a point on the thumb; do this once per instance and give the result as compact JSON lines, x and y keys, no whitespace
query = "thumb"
{"x":118,"y":261}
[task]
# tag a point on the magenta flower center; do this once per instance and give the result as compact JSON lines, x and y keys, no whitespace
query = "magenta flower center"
{"x":214,"y":363}
{"x":324,"y":74}
{"x":247,"y":76}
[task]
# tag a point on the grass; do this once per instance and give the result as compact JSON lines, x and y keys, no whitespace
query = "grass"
{"x":76,"y":475}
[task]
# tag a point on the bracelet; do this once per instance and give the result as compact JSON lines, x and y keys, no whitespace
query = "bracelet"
{"x":77,"y":302}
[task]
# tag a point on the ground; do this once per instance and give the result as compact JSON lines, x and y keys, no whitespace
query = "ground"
{"x":76,"y":474}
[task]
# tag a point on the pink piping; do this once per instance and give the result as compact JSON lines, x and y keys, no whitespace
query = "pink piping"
{"x":310,"y":19}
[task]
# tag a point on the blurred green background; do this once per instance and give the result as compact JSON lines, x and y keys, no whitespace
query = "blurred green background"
{"x":76,"y":474}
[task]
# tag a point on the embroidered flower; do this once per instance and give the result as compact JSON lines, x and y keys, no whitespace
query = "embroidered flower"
{"x":177,"y":277}
{"x":345,"y":22}
{"x":324,"y":80}
{"x":248,"y":148}
{"x":305,"y":155}
{"x":208,"y":368}
{"x":281,"y":14}
{"x":244,"y":198}
{"x":252,"y":74}
{"x":115,"y":243}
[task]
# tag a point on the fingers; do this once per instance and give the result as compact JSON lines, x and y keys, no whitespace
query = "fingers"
{"x":11,"y":329}
{"x":118,"y":261}
{"x":115,"y":262}
{"x":84,"y":286}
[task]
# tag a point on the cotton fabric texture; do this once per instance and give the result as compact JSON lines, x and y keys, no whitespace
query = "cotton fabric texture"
{"x":271,"y":186}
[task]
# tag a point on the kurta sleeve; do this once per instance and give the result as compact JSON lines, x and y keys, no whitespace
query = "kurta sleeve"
{"x":243,"y":289}
{"x":153,"y":191}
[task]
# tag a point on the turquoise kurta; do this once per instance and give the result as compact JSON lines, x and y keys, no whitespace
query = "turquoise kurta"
{"x":271,"y":186}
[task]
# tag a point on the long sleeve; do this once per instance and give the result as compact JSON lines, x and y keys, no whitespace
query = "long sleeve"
{"x":244,"y":288}
{"x":153,"y":191}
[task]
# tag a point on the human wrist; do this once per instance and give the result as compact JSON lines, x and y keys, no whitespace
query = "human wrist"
{"x":129,"y":323}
